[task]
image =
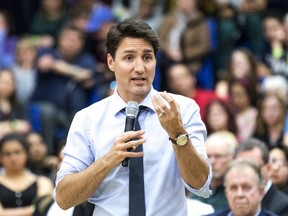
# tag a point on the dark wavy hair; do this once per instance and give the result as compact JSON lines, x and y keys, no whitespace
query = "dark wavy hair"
{"x":130,"y":27}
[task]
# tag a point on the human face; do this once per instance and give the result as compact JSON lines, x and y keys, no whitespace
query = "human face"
{"x":273,"y":29}
{"x":13,"y":156}
{"x":239,"y":97}
{"x":7,"y":84}
{"x":219,"y":155}
{"x":180,"y":81}
{"x":217,"y":117}
{"x":243,"y":192}
{"x":278,"y":172}
{"x":37,"y":147}
{"x":240,"y":65}
{"x":255,"y":154}
{"x":272,"y":111}
{"x":70,"y":43}
{"x":134,"y":68}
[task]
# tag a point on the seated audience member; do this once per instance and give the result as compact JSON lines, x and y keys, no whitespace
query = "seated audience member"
{"x":242,"y":65}
{"x":65,"y":76}
{"x":218,"y":116}
{"x":48,"y":21}
{"x":274,"y":199}
{"x":243,"y":99}
{"x":271,"y":120}
{"x":220,"y":147}
{"x":40,"y":162}
{"x":276,"y":53}
{"x":244,"y":190}
{"x":24,"y":69}
{"x":278,"y":159}
{"x":184,"y":35}
{"x":47,"y":206}
{"x":275,"y":84}
{"x":13,"y":115}
{"x":18,"y":186}
{"x":182,"y":81}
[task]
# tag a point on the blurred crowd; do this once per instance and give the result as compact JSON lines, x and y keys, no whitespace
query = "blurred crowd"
{"x":230,"y":56}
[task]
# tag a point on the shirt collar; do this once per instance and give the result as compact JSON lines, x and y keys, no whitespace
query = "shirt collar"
{"x":119,"y":103}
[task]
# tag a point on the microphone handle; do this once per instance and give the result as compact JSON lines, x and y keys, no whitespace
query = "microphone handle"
{"x":129,"y":126}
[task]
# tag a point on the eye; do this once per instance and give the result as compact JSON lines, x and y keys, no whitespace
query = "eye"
{"x":128,"y":57}
{"x":147,"y":57}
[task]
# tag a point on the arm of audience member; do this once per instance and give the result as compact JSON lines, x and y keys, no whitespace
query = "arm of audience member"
{"x":253,"y":6}
{"x":25,"y":211}
{"x":75,"y":188}
{"x":16,"y":126}
{"x":45,"y":186}
{"x":76,"y":73}
{"x":194,"y":169}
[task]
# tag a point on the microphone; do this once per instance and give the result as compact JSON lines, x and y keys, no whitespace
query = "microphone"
{"x":131,"y":113}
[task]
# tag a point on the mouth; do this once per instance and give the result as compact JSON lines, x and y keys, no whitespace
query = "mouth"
{"x":138,"y":80}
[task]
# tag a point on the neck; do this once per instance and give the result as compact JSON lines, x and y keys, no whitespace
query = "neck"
{"x":15,"y":174}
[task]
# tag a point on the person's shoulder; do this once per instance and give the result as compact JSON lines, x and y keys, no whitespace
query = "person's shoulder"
{"x":265,"y":212}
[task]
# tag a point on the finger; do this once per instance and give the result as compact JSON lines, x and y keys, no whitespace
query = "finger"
{"x":172,"y":103}
{"x":133,"y":144}
{"x":129,"y":135}
{"x":158,"y":104}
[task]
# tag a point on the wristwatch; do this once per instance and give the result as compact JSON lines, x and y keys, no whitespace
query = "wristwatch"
{"x":180,"y":140}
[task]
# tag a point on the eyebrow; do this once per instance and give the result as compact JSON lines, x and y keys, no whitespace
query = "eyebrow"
{"x":134,"y":51}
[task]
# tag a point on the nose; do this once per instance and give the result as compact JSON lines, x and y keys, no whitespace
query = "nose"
{"x":139,"y":66}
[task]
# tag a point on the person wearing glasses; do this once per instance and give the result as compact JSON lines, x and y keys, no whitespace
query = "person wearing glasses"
{"x":220,"y":147}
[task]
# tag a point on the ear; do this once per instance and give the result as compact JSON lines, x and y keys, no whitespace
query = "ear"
{"x":110,"y":62}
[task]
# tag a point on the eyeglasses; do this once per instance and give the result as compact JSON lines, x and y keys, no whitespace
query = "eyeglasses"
{"x":277,"y":162}
{"x":217,"y":156}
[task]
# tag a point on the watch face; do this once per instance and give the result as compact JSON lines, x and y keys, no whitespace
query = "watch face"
{"x":182,"y":140}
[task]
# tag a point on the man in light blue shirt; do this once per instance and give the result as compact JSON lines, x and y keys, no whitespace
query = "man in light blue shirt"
{"x":172,"y":134}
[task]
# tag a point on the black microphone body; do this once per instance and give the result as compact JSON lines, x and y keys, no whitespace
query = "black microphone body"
{"x":131,"y":113}
{"x":129,"y":126}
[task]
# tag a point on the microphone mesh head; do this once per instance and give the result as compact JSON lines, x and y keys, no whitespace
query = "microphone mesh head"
{"x":132,"y":109}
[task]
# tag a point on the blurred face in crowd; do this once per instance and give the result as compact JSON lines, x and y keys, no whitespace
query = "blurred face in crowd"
{"x":255,"y":154}
{"x":25,"y":54}
{"x":279,"y":168}
{"x":180,"y":81}
{"x":239,"y":96}
{"x":70,"y":43}
{"x":243,"y":191}
{"x":217,"y":117}
{"x":134,"y":68}
{"x":220,"y":155}
{"x":272,"y":110}
{"x":13,"y":156}
{"x":186,"y":5}
{"x":37,"y":147}
{"x":273,"y":29}
{"x":50,"y":6}
{"x":240,"y":65}
{"x":7,"y":83}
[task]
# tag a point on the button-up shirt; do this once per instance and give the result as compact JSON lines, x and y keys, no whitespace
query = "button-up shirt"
{"x":92,"y":134}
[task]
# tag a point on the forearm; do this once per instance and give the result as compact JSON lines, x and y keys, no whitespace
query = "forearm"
{"x":193,"y":168}
{"x":76,"y":188}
